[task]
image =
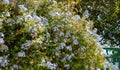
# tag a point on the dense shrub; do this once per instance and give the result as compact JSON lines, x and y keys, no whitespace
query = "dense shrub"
{"x":46,"y":35}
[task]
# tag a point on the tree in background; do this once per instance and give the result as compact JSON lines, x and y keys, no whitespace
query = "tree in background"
{"x":43,"y":34}
{"x":106,"y":17}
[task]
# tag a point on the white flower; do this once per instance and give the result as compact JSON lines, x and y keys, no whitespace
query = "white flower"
{"x":7,"y":14}
{"x":55,"y":29}
{"x":65,"y":20}
{"x":37,"y":19}
{"x":61,"y":33}
{"x":1,"y":49}
{"x":69,"y":48}
{"x":47,"y":37}
{"x":1,"y":59}
{"x":95,"y":30}
{"x":99,"y":17}
{"x":76,"y":17}
{"x":44,"y":20}
{"x":26,"y":45}
{"x":43,"y":62}
{"x":51,"y":65}
{"x":89,"y":31}
{"x":1,"y":41}
{"x":21,"y":54}
{"x":61,"y":46}
{"x":114,"y":67}
{"x":22,"y":7}
{"x":98,"y":38}
{"x":67,"y":66}
{"x":67,"y":34}
{"x":6,"y":1}
{"x":86,"y":13}
{"x":57,"y":53}
{"x":91,"y":22}
{"x":1,"y":35}
{"x":28,"y":17}
{"x":41,"y":25}
{"x":4,"y":63}
{"x":75,"y":42}
{"x":68,"y":13}
{"x":106,"y":65}
{"x":53,"y":13}
{"x":55,"y":2}
{"x":68,"y":57}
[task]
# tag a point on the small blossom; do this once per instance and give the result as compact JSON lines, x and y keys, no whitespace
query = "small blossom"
{"x":28,"y":17}
{"x":99,"y":17}
{"x":75,"y":41}
{"x":98,"y":38}
{"x":22,"y":7}
{"x":1,"y":50}
{"x":61,"y":46}
{"x":26,"y":45}
{"x":95,"y":30}
{"x":106,"y":65}
{"x":68,"y":57}
{"x":55,"y":29}
{"x":76,"y":17}
{"x":91,"y":22}
{"x":57,"y":53}
{"x":41,"y":25}
{"x":86,"y":13}
{"x":65,"y":20}
{"x":52,"y":13}
{"x":67,"y":34}
{"x":68,"y":13}
{"x":1,"y":59}
{"x":37,"y":19}
{"x":21,"y":54}
{"x":67,"y":66}
{"x":47,"y":37}
{"x":61,"y":33}
{"x":1,"y":35}
{"x":114,"y":67}
{"x":7,"y":14}
{"x":4,"y":63}
{"x":69,"y":48}
{"x":44,"y":20}
{"x":43,"y":61}
{"x":1,"y":41}
{"x":55,"y":2}
{"x":51,"y":65}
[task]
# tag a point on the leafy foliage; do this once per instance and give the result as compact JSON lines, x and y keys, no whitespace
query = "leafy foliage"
{"x":105,"y":15}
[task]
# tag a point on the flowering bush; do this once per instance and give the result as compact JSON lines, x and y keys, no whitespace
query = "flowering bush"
{"x":46,"y":35}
